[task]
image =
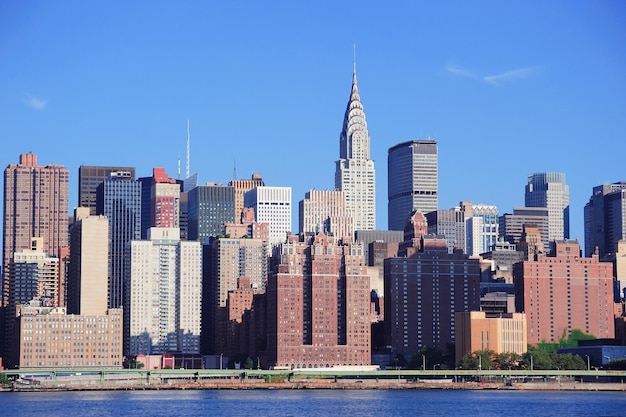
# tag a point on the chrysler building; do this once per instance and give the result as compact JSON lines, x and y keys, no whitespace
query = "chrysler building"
{"x":354,"y":173}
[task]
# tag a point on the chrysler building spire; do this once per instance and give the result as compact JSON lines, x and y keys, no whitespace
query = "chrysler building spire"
{"x":354,"y":173}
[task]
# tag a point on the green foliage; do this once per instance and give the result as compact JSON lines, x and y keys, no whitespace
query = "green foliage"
{"x":433,"y":358}
{"x":618,"y":364}
{"x":4,"y":380}
{"x":541,"y":359}
{"x":249,"y":363}
{"x":577,"y":335}
{"x":565,"y":341}
{"x":507,"y":360}
{"x":399,"y":361}
{"x":480,"y":359}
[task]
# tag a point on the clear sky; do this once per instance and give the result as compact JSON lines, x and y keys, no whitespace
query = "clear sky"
{"x":507,"y":88}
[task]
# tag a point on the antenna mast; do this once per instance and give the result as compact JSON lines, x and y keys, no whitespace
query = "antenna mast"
{"x":187,"y":161}
{"x":234,"y":169}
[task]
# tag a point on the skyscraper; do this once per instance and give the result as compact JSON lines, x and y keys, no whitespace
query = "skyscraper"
{"x":549,"y":190}
{"x":325,"y":211}
{"x":271,"y":205}
{"x":89,"y":177}
{"x":35,"y":205}
{"x":450,"y":224}
{"x":481,"y":229}
{"x":119,"y":199}
{"x":354,"y":172}
{"x":424,"y":290}
{"x":241,"y":187}
{"x":605,"y":219}
{"x":563,"y":292}
{"x":226,"y":261}
{"x":89,"y":264}
{"x":318,"y":305}
{"x":511,"y":226}
{"x":412,"y":180}
{"x":210,"y":207}
{"x":162,"y":309}
{"x":160,"y":201}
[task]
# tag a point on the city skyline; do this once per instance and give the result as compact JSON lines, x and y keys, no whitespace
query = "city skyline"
{"x":505,"y":89}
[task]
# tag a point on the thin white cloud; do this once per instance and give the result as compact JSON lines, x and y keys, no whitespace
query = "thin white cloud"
{"x":34,"y":102}
{"x":519,"y":73}
{"x":495,"y":79}
{"x":459,"y":71}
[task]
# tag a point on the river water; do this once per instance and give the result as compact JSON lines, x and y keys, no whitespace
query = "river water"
{"x":346,"y":403}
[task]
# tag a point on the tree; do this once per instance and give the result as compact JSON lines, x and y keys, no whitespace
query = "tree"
{"x":507,"y":360}
{"x":249,"y":363}
{"x":399,"y":361}
{"x":541,"y":359}
{"x":479,"y":359}
{"x":569,"y":361}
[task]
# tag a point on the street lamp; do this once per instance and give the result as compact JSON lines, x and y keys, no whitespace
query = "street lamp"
{"x":221,"y":362}
{"x":424,"y":362}
{"x":608,"y":358}
{"x":588,"y":363}
{"x":436,"y":365}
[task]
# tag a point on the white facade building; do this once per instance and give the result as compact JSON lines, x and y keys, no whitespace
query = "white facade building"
{"x":481,"y":229}
{"x":354,"y":172}
{"x":325,"y":211}
{"x":162,"y":312}
{"x":271,"y":205}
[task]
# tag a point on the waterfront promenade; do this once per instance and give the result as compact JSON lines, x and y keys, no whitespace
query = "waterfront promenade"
{"x":158,"y":379}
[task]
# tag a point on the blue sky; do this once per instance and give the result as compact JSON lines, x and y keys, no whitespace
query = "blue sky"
{"x":506,"y":88}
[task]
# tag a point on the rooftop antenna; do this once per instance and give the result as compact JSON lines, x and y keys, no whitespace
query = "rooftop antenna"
{"x":178,"y":165}
{"x":234,"y":169}
{"x":187,"y":161}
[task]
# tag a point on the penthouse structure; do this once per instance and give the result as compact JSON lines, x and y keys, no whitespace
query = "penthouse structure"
{"x":318,"y":304}
{"x":563,"y":291}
